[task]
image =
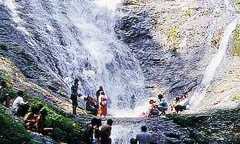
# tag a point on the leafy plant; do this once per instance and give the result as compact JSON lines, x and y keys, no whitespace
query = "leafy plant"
{"x":12,"y":131}
{"x":65,"y":129}
{"x":236,"y":37}
{"x":174,"y":36}
{"x":188,"y":12}
{"x":237,"y":2}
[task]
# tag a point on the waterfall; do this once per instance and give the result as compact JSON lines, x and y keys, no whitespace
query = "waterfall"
{"x":213,"y":65}
{"x":75,"y":39}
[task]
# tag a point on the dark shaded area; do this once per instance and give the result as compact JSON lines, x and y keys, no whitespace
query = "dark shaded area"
{"x":220,"y":126}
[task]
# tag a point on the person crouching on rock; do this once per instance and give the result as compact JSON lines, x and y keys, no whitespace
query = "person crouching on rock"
{"x":153,"y":111}
{"x":30,"y":118}
{"x":91,"y":105}
{"x":19,"y":107}
{"x":163,"y":107}
{"x":176,"y":106}
{"x":102,"y":111}
{"x":74,"y":95}
{"x":40,"y":120}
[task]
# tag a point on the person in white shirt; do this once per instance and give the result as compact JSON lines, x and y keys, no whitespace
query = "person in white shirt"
{"x":18,"y":102}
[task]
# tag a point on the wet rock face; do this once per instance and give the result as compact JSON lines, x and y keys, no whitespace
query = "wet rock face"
{"x":220,"y":126}
{"x":172,"y":40}
{"x":30,"y":60}
{"x":163,"y":68}
{"x":53,"y":43}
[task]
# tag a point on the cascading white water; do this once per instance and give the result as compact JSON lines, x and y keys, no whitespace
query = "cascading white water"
{"x":79,"y":35}
{"x":213,"y":65}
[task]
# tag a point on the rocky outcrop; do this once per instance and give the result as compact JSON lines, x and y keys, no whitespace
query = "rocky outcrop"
{"x":34,"y":64}
{"x":173,"y":40}
{"x":220,"y":126}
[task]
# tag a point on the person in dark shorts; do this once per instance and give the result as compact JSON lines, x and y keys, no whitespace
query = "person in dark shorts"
{"x":106,"y":132}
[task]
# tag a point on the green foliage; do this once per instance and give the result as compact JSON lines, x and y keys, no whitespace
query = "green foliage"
{"x":174,"y":36}
{"x":7,"y":91}
{"x":5,"y":77}
{"x":188,"y":12}
{"x":236,"y":49}
{"x":65,"y":129}
{"x":236,"y":98}
{"x":12,"y":131}
{"x":237,"y":2}
{"x":220,"y":126}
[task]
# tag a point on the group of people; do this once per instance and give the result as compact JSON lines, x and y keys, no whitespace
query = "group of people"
{"x":161,"y":106}
{"x":96,"y":133}
{"x":157,"y":107}
{"x":17,"y":105}
{"x":33,"y":119}
{"x":96,"y":106}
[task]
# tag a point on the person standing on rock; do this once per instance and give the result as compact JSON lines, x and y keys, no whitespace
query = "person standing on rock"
{"x":102,"y":110}
{"x":74,"y":95}
{"x":160,"y":97}
{"x":98,"y":93}
{"x":144,"y":137}
{"x":88,"y":132}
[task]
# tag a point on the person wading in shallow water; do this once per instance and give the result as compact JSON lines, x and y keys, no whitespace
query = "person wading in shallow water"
{"x":144,"y":137}
{"x":74,"y":95}
{"x":106,"y":132}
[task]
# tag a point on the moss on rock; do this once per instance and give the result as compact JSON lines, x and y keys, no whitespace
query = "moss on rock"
{"x":236,"y":44}
{"x":220,"y":126}
{"x":12,"y":131}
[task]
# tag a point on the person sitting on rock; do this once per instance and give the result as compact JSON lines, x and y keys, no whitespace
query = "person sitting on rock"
{"x":144,"y":137}
{"x":153,"y":111}
{"x":102,"y":111}
{"x":19,"y":107}
{"x":163,"y":107}
{"x":91,"y":105}
{"x":180,"y":108}
{"x":106,"y":132}
{"x":30,"y":118}
{"x":40,"y":120}
{"x":4,"y":94}
{"x":74,"y":95}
